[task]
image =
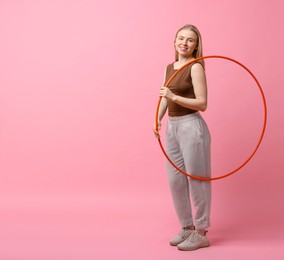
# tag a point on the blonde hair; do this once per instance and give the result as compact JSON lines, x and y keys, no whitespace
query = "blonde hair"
{"x":198,"y":52}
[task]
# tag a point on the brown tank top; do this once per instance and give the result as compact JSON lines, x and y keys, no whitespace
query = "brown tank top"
{"x":180,"y":85}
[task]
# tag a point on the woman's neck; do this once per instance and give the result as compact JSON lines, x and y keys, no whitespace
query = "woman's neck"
{"x":183,"y":60}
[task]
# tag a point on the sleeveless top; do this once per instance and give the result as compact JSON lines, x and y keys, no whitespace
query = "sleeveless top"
{"x":181,"y":85}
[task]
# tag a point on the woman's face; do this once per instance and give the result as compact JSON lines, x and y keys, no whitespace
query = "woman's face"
{"x":186,"y":43}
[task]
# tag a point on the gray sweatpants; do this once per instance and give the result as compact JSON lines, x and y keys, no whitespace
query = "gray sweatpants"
{"x":188,"y":146}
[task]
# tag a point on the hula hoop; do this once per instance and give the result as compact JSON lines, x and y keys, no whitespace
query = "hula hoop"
{"x":262,"y":131}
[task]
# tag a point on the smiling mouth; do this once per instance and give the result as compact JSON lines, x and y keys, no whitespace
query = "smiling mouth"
{"x":183,"y":48}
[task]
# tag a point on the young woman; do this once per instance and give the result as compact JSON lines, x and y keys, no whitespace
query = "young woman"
{"x":188,"y":139}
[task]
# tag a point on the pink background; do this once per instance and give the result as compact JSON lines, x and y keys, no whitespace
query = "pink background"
{"x":82,"y":176}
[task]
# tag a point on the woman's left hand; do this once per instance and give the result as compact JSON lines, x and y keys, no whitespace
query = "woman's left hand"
{"x":166,"y":93}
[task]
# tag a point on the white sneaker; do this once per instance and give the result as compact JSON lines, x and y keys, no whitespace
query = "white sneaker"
{"x":180,"y":237}
{"x":194,"y":241}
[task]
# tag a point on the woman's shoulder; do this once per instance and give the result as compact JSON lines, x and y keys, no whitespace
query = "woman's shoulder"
{"x":197,"y":68}
{"x":171,"y":65}
{"x":197,"y":65}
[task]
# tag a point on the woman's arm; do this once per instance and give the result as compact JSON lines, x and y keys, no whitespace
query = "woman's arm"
{"x":162,"y":110}
{"x":200,"y":91}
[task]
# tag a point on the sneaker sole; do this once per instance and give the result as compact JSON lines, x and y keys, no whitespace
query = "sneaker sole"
{"x":176,"y":244}
{"x":194,"y":248}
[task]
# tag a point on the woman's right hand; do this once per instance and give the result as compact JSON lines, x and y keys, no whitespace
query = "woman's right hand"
{"x":156,"y":132}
